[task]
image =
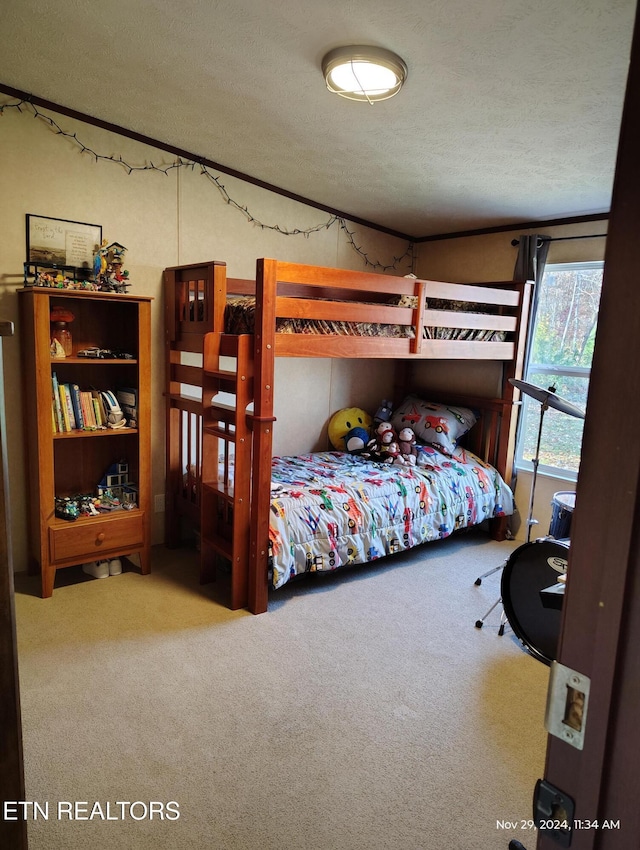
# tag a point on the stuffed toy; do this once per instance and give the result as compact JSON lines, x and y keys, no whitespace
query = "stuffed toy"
{"x":407,"y":444}
{"x":356,"y":440}
{"x":349,"y":429}
{"x":383,"y":413}
{"x":392,"y":454}
{"x":385,"y":432}
{"x":383,"y":446}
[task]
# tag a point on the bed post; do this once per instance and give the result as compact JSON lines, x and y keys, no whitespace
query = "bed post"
{"x":510,"y":411}
{"x":513,"y":369}
{"x":262,"y":422}
{"x":418,"y":316}
{"x":218,"y":299}
{"x":172,"y":419}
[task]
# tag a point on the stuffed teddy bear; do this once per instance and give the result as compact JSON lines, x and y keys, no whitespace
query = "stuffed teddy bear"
{"x":349,"y":429}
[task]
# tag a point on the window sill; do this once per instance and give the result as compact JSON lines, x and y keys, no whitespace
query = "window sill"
{"x":555,"y":474}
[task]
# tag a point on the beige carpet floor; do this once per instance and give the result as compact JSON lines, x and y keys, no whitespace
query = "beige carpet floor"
{"x":363,"y":712}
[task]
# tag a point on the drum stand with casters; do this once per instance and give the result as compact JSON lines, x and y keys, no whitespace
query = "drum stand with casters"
{"x":547,"y":399}
{"x":503,"y":616}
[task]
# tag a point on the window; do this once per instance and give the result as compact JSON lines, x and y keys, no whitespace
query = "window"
{"x":561,"y":354}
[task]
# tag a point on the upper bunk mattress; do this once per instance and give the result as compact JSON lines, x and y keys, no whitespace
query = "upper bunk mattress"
{"x":240,"y":319}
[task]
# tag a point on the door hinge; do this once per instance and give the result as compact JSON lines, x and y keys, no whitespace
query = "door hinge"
{"x":567,"y":703}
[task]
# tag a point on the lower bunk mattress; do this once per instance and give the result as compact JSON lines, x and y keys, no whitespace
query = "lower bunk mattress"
{"x":333,"y":509}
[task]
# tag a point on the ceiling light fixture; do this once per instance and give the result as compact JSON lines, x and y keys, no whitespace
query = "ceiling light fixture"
{"x":364,"y":73}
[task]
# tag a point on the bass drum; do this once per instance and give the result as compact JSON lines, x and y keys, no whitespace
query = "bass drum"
{"x":530,"y":569}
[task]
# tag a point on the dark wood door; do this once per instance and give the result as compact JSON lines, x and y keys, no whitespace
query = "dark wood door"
{"x":600,"y":635}
{"x":13,"y":833}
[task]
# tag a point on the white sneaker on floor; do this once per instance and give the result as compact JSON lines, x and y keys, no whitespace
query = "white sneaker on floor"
{"x":97,"y":569}
{"x":115,"y":567}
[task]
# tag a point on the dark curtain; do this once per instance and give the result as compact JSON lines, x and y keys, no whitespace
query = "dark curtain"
{"x":530,"y":263}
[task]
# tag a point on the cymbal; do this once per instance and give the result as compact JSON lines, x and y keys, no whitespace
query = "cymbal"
{"x":548,"y":398}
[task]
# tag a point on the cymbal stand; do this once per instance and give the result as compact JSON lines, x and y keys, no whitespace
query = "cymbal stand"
{"x":544,"y":406}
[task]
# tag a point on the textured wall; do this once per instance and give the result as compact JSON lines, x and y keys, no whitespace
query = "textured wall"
{"x":492,"y":257}
{"x":165,"y":220}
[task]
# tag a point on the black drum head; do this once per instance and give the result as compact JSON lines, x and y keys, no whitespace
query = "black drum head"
{"x":530,"y":569}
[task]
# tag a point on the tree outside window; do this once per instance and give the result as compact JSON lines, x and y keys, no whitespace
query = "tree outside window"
{"x":561,"y":354}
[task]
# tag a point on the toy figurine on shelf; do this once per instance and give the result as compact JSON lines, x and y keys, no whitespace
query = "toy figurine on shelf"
{"x":109,"y":274}
{"x":86,"y":285}
{"x":100,"y":261}
{"x":44,"y":279}
{"x":116,"y":252}
{"x":115,"y":491}
{"x":53,"y":278}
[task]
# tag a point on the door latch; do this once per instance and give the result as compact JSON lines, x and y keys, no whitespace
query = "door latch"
{"x":567,"y":703}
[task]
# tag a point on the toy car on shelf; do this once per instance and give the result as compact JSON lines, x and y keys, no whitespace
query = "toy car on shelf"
{"x":104,"y":354}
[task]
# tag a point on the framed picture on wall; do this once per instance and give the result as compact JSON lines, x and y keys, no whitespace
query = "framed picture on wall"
{"x":55,"y":241}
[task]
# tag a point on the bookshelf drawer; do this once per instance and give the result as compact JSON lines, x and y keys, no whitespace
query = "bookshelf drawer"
{"x":92,"y":539}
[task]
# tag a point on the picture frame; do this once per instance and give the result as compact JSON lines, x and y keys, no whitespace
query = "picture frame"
{"x":59,"y":242}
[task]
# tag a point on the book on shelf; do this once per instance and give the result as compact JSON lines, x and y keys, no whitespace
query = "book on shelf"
{"x":88,"y":413}
{"x":59,"y":420}
{"x":98,"y":406}
{"x":69,"y":403}
{"x":97,"y":412}
{"x":74,"y":391}
{"x":66,"y":419}
{"x":76,"y":409}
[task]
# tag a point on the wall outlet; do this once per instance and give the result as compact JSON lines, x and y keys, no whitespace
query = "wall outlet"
{"x":159,"y":503}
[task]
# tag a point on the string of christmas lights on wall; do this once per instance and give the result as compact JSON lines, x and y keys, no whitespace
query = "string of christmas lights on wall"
{"x":408,"y":256}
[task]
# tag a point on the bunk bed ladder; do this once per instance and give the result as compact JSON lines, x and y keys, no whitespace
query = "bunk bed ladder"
{"x":226,"y":461}
{"x":194,"y":304}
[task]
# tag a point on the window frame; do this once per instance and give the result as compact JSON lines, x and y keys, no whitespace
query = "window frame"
{"x":520,"y":462}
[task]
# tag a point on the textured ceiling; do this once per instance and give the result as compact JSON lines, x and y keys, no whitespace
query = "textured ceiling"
{"x":511,"y":111}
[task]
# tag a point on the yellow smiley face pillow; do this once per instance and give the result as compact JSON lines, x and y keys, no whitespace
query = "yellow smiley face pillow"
{"x":349,"y":421}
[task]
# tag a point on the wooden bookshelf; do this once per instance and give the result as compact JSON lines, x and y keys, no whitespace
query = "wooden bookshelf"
{"x":70,"y":463}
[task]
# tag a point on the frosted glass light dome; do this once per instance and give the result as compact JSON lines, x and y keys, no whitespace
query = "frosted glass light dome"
{"x":364,"y":73}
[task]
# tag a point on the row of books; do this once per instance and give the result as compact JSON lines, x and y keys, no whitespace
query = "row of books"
{"x":73,"y":408}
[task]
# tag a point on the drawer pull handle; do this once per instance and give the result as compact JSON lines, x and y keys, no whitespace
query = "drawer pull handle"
{"x":100,"y":537}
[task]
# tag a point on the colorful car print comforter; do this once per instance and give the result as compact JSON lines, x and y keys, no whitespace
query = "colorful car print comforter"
{"x":331,"y":509}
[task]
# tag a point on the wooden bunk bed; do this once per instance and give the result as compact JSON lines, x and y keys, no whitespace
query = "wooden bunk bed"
{"x":219,"y":382}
